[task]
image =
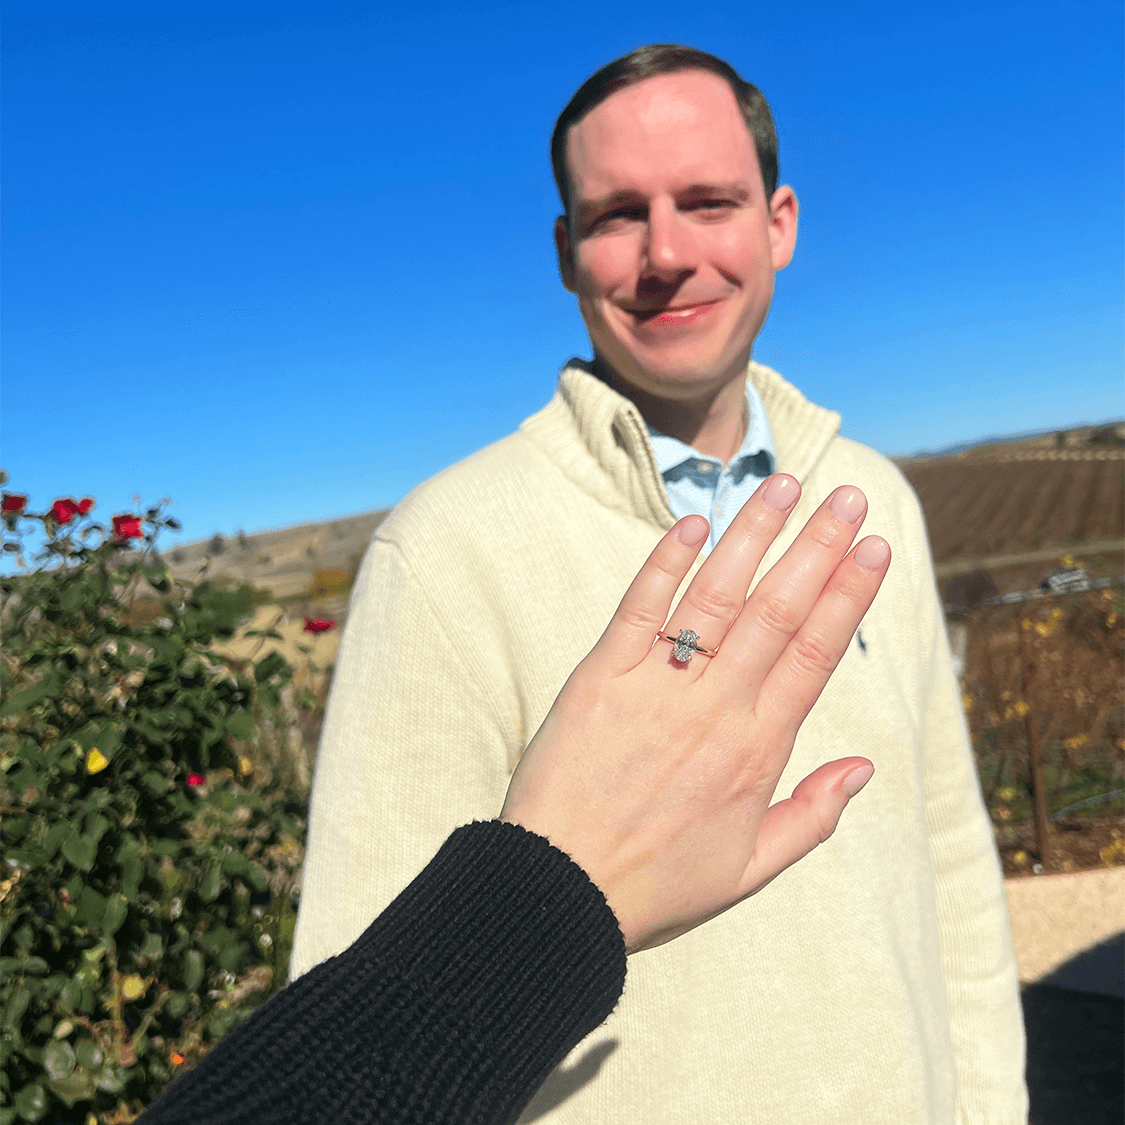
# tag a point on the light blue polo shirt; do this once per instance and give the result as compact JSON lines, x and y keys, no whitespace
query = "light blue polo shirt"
{"x":700,"y":484}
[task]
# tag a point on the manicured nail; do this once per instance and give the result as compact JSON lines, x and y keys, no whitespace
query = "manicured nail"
{"x":857,"y":779}
{"x":873,"y":552}
{"x":847,"y":503}
{"x":781,"y":493}
{"x":693,"y":531}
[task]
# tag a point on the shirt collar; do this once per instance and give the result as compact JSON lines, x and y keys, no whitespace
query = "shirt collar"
{"x":671,"y":453}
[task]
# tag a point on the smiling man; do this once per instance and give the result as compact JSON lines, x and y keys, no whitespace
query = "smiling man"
{"x":874,"y":982}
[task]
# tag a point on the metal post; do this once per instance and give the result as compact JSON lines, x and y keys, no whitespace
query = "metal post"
{"x":1038,"y":785}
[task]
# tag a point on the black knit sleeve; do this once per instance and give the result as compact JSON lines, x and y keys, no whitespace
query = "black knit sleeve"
{"x":453,"y":1006}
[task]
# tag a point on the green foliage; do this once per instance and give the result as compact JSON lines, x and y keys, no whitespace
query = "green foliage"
{"x":147,"y":893}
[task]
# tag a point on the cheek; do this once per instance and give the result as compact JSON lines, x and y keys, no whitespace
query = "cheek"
{"x":606,"y":267}
{"x":741,"y":255}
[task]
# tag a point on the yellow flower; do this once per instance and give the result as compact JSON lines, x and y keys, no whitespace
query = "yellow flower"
{"x":96,"y":761}
{"x":1008,"y":793}
{"x":1021,"y":857}
{"x":133,"y":987}
{"x":967,"y":701}
{"x":244,"y":766}
{"x":1075,"y":742}
{"x":1022,"y":708}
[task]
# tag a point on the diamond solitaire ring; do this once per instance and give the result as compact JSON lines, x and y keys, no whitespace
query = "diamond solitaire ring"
{"x":687,"y":645}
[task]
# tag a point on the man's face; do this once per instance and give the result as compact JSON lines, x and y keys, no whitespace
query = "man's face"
{"x":672,"y":246}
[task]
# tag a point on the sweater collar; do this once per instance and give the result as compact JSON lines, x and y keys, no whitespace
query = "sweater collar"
{"x":598,"y":438}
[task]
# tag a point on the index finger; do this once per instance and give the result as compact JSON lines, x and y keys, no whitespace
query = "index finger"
{"x":629,"y":636}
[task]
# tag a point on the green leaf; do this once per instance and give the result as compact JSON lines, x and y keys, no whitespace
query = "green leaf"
{"x":31,"y":1103}
{"x":240,"y":724}
{"x":116,"y":911}
{"x":58,"y":1060}
{"x":90,"y":1055}
{"x":91,"y":906}
{"x":193,"y":970}
{"x":177,"y":1004}
{"x":80,"y":851}
{"x":152,"y":947}
{"x":271,"y":665}
{"x":212,"y":883}
{"x":15,"y":1008}
{"x":54,"y":838}
{"x":76,"y":1087}
{"x":131,"y":873}
{"x":22,"y":700}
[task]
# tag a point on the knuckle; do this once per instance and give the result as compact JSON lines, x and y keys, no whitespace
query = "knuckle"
{"x":811,"y":652}
{"x":636,"y":617}
{"x":716,"y":602}
{"x":776,"y":615}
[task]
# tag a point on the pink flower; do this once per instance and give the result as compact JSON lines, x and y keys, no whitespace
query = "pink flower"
{"x":196,"y":780}
{"x":85,"y":504}
{"x":63,"y":511}
{"x":319,"y":624}
{"x":126,"y":528}
{"x":12,"y":502}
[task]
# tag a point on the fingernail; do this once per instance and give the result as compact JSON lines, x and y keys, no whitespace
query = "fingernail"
{"x":693,"y":531}
{"x":857,"y":779}
{"x":872,"y":553}
{"x":847,"y":503}
{"x":781,"y":493}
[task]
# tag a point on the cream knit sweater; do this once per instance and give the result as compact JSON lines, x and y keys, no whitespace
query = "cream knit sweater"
{"x":874,"y":982}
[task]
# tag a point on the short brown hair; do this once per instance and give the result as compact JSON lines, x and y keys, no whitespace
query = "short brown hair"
{"x":648,"y":62}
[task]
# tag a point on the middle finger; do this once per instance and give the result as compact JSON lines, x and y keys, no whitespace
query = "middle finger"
{"x":718,"y":591}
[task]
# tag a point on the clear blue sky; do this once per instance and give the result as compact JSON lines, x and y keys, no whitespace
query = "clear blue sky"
{"x":283,"y":262}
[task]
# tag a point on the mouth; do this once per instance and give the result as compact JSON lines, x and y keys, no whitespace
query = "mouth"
{"x":668,"y":316}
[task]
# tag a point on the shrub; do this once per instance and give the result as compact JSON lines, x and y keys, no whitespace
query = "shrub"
{"x":147,"y":897}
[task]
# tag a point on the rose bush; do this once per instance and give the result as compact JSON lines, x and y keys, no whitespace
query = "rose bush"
{"x":147,"y":897}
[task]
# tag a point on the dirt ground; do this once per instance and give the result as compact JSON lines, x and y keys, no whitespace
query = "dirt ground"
{"x":1077,"y":843}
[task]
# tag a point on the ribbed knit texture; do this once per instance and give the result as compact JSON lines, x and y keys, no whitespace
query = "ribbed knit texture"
{"x":872,"y":984}
{"x":452,"y":1006}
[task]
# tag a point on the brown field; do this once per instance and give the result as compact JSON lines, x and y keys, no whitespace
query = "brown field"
{"x":979,"y":507}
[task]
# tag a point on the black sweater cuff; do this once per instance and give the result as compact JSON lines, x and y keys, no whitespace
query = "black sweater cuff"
{"x":453,"y":1005}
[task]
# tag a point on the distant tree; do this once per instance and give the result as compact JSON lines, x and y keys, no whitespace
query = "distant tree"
{"x":217,"y":545}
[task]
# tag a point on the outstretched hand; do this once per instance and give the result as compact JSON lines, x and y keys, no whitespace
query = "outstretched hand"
{"x":656,"y":775}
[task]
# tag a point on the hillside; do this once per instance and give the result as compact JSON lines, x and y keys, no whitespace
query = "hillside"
{"x":1012,"y":509}
{"x":1009,"y":508}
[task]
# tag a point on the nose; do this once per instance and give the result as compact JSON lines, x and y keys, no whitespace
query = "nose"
{"x":670,"y":249}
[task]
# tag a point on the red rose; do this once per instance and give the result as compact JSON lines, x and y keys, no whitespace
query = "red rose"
{"x":126,"y":528}
{"x":85,"y":504}
{"x":12,"y":502}
{"x":63,"y":511}
{"x":319,"y":624}
{"x":196,"y":780}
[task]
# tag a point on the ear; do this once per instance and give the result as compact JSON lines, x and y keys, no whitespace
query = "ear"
{"x":565,"y":252}
{"x":783,"y":226}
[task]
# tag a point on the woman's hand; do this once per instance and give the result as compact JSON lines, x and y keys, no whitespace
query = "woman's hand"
{"x":656,"y":776}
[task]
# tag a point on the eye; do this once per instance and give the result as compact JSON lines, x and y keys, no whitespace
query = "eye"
{"x":715,"y":205}
{"x":617,"y":217}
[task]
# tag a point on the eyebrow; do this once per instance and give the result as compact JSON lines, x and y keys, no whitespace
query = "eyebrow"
{"x":591,"y":208}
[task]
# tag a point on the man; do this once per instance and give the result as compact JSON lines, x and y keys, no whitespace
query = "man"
{"x":873,"y":983}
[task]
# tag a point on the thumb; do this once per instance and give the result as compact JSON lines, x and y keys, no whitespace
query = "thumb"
{"x":793,"y":827}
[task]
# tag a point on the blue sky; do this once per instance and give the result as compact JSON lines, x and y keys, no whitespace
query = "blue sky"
{"x":282,"y":263}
